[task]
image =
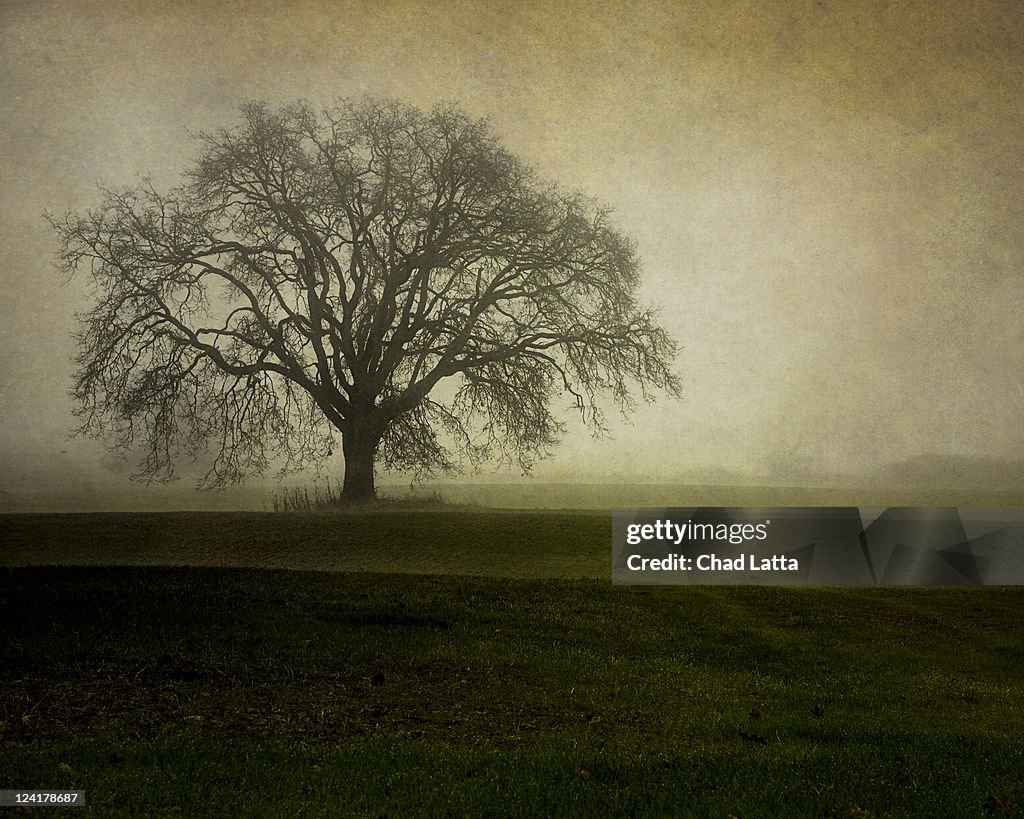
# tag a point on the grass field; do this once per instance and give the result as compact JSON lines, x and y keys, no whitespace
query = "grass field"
{"x":441,"y":540}
{"x":207,"y":690}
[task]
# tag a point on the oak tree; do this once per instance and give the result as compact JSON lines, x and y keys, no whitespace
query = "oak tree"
{"x":390,"y":277}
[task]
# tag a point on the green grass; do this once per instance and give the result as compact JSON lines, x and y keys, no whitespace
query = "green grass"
{"x":435,"y":540}
{"x":216,"y":691}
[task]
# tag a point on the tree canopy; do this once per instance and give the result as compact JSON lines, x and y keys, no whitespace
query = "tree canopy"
{"x":390,"y":277}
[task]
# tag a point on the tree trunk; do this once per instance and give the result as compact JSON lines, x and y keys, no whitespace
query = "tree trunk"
{"x":360,"y":446}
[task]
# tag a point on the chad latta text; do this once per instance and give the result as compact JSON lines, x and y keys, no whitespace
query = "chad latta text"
{"x":712,"y":563}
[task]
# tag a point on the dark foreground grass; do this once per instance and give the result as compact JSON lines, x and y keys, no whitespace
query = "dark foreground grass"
{"x":255,"y":692}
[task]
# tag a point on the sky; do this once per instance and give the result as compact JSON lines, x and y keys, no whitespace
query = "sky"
{"x":826,"y":198}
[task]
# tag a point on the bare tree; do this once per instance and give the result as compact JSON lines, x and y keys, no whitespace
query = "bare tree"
{"x":392,"y":277}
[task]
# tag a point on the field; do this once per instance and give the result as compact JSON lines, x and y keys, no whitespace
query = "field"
{"x":480,"y":663}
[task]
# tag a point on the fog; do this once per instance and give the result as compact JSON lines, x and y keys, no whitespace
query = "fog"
{"x":825,"y":196}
